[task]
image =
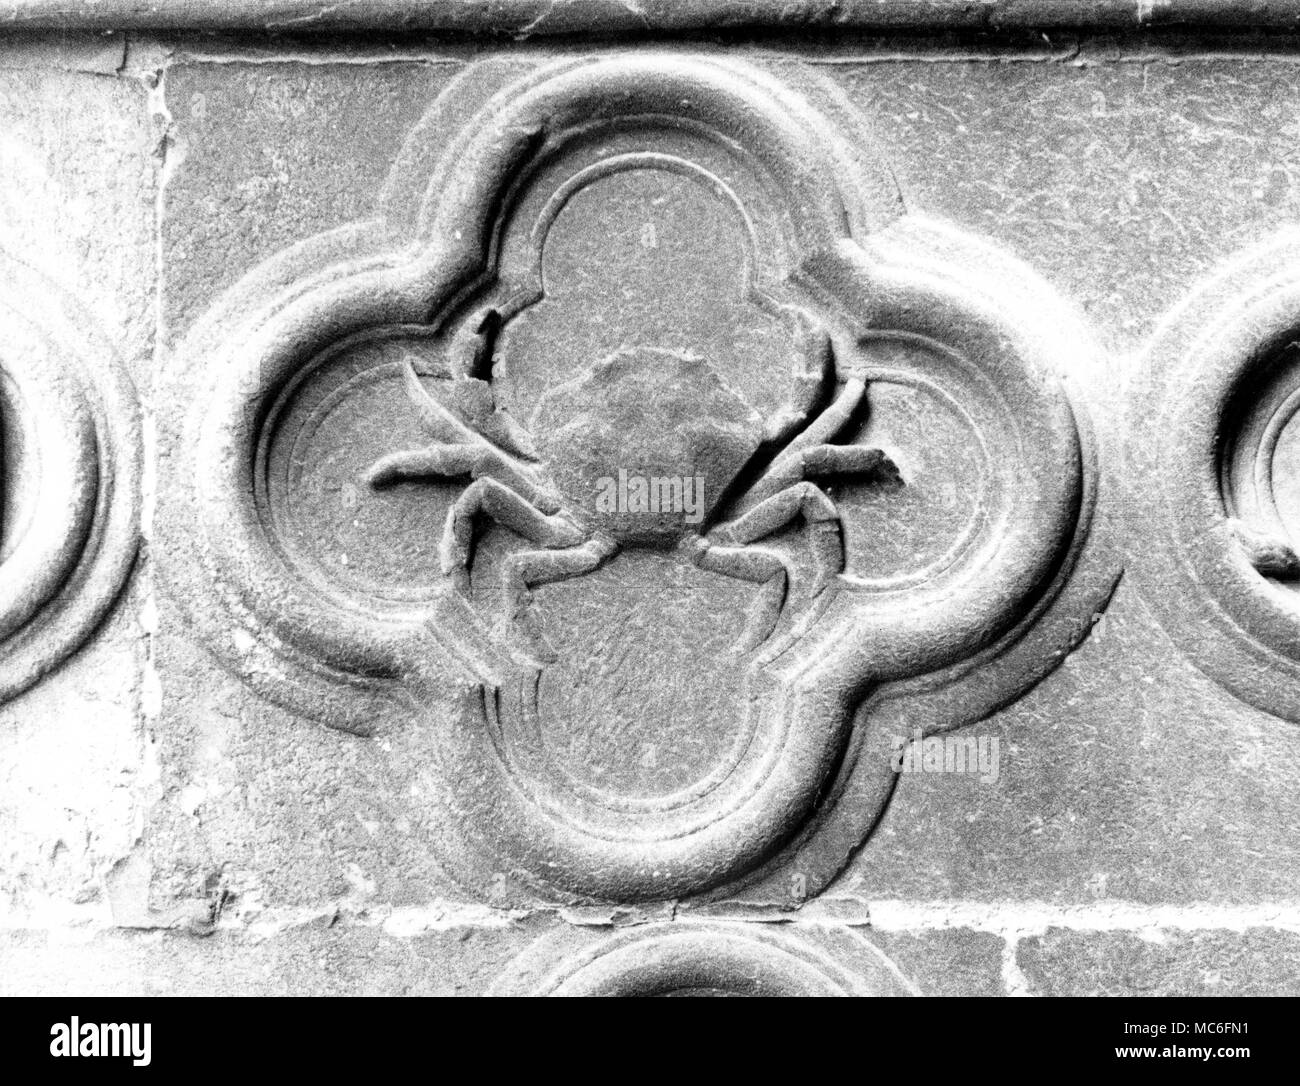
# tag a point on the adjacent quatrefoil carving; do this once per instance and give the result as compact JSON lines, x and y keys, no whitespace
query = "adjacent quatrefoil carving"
{"x":1213,"y":502}
{"x":70,"y":472}
{"x":653,"y":460}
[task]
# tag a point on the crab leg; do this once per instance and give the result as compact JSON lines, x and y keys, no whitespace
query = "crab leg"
{"x":441,"y":423}
{"x":509,"y":509}
{"x":523,"y":569}
{"x":812,"y":454}
{"x":807,"y":387}
{"x":477,"y":460}
{"x":750,"y":564}
{"x":847,"y":460}
{"x":774,"y":513}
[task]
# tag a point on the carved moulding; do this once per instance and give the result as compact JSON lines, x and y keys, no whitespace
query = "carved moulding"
{"x":535,"y":18}
{"x":649,"y":264}
{"x":701,"y":959}
{"x":1212,"y":499}
{"x":71,"y":469}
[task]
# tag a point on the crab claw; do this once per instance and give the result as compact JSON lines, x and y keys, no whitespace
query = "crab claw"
{"x":440,"y":423}
{"x":438,"y":461}
{"x":822,"y":460}
{"x":476,"y":403}
{"x":1269,"y":553}
{"x":526,"y":625}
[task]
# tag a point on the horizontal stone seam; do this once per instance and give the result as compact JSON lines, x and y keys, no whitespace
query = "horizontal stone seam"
{"x":1011,"y":921}
{"x":143,"y":53}
{"x":148,"y":54}
{"x":526,"y":18}
{"x":1015,"y":920}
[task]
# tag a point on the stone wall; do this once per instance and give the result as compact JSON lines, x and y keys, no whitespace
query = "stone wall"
{"x":511,"y":498}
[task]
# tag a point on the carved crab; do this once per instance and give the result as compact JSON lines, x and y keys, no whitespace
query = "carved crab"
{"x":660,"y":416}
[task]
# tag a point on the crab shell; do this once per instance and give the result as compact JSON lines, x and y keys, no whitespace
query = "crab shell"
{"x":654,"y":415}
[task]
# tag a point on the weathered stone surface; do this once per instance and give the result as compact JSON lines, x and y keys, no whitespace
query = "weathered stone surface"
{"x":1127,"y":776}
{"x":948,"y":962}
{"x":315,"y":959}
{"x":77,"y":265}
{"x":1255,"y":962}
{"x":1075,"y":158}
{"x":78,"y":204}
{"x":932,"y":340}
{"x":72,"y":764}
{"x":413,"y":953}
{"x":260,"y":156}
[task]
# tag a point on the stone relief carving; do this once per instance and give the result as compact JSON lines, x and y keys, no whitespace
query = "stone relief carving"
{"x":1213,"y":506}
{"x":70,"y":446}
{"x":646,"y":437}
{"x":691,"y":958}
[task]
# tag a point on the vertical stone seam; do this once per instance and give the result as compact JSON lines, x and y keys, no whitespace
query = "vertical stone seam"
{"x":150,"y":697}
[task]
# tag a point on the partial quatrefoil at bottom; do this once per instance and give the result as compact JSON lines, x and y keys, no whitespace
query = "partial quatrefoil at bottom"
{"x":639,"y":473}
{"x":694,"y":958}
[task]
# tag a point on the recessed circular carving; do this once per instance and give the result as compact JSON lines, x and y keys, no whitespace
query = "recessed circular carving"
{"x":645,"y":699}
{"x":918,"y":526}
{"x":924,"y":409}
{"x":1214,"y":509}
{"x":349,"y":408}
{"x":1261,"y":454}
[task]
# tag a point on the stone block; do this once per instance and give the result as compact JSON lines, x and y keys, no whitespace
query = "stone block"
{"x":548,"y":498}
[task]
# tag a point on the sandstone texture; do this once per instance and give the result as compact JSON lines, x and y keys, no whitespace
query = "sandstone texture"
{"x":517,"y":499}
